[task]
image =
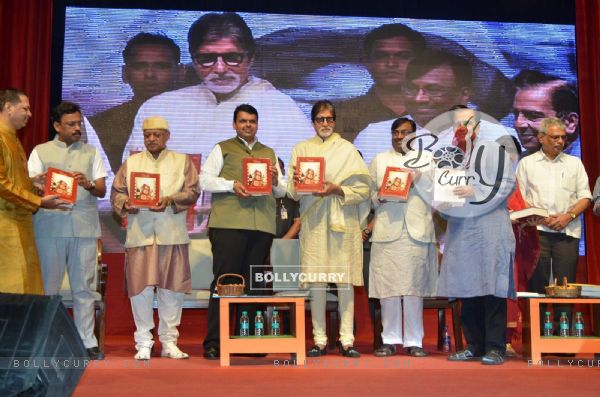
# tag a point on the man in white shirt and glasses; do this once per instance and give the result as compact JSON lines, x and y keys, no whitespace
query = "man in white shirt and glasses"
{"x":555,"y":181}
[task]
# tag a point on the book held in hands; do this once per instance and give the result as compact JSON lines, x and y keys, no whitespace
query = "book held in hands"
{"x":528,"y":213}
{"x":61,"y":183}
{"x":256,"y":176}
{"x":144,"y":189}
{"x":445,"y":180}
{"x":396,"y":184}
{"x":311,"y":174}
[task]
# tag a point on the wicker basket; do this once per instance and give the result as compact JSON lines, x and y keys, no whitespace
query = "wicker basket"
{"x":230,"y":289}
{"x":563,"y":291}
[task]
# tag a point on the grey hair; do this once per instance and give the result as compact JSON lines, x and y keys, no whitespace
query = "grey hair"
{"x":551,"y":122}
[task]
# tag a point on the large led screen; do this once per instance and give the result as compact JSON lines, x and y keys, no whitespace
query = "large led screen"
{"x":517,"y":73}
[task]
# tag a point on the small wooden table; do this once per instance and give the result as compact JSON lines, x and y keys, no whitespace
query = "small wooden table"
{"x":294,"y":343}
{"x":535,"y":344}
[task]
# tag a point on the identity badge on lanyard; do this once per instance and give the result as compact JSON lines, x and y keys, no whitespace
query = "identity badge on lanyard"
{"x":283,"y":213}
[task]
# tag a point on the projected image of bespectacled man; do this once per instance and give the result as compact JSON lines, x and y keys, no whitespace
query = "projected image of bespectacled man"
{"x":222,"y":49}
{"x":435,"y":81}
{"x":388,"y":50}
{"x":151,"y":68}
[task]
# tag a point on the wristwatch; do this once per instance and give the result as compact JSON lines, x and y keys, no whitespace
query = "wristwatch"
{"x":572,"y":214}
{"x":92,"y":186}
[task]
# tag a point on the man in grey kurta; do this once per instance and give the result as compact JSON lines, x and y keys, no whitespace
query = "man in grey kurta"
{"x":404,"y":263}
{"x":477,"y":265}
{"x":67,"y":239}
{"x":157,"y":240}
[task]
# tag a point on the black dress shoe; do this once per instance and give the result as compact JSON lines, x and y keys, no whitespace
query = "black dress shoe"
{"x":212,"y":353}
{"x":349,"y":351}
{"x":316,"y":351}
{"x":249,"y":354}
{"x":385,"y":350}
{"x":416,"y":351}
{"x":493,"y":357}
{"x":464,"y":355}
{"x":95,"y":353}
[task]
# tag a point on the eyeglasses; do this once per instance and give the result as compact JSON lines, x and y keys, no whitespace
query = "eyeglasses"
{"x":401,"y":132}
{"x":432,"y":91}
{"x":207,"y":60}
{"x":321,"y":120}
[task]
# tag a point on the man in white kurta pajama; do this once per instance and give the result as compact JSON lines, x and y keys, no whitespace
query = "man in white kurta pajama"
{"x":330,"y":238}
{"x":157,"y":240}
{"x":404,"y":263}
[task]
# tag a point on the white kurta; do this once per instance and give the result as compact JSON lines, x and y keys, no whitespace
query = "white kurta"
{"x":403,"y":254}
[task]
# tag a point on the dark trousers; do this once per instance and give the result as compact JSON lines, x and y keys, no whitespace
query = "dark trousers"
{"x":374,"y":306}
{"x":234,"y":251}
{"x":563,"y":251}
{"x":484,"y":323}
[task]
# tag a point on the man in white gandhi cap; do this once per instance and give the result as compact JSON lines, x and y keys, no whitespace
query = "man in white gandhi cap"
{"x":157,"y":241}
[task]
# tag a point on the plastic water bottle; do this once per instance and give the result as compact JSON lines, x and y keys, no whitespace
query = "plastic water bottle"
{"x":446,"y":341}
{"x":275,"y":323}
{"x":244,"y":324}
{"x":259,"y":324}
{"x":578,"y":328}
{"x":564,"y":324}
{"x":548,"y":326}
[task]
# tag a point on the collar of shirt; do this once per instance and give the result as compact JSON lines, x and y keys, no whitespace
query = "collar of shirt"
{"x":541,"y":156}
{"x":162,"y":154}
{"x":248,"y":145}
{"x":63,"y":145}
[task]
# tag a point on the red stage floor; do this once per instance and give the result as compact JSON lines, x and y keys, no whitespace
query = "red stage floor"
{"x":333,"y":375}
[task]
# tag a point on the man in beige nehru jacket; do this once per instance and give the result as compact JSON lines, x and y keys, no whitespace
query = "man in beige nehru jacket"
{"x":157,"y":240}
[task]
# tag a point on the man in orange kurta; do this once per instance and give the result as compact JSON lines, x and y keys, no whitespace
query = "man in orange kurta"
{"x":19,"y":265}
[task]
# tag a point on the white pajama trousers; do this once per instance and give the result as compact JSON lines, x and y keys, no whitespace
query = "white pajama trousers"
{"x":402,"y":313}
{"x":318,"y":302}
{"x":76,"y":255}
{"x":169,"y":315}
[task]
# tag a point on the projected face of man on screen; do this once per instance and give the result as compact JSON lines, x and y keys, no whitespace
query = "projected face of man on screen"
{"x":436,"y":80}
{"x":222,"y":48}
{"x":389,"y":48}
{"x":150,"y":69}
{"x":387,"y":51}
{"x":540,"y":96}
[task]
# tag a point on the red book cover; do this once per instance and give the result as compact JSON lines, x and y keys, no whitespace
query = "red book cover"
{"x":144,"y":189}
{"x":311,"y":174}
{"x":256,"y":176}
{"x":62,"y":183}
{"x":396,"y":184}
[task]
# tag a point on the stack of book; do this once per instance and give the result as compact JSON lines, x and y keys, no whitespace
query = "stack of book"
{"x":589,"y":290}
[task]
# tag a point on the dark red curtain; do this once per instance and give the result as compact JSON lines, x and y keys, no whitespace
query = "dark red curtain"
{"x":25,"y":41}
{"x":588,"y":59}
